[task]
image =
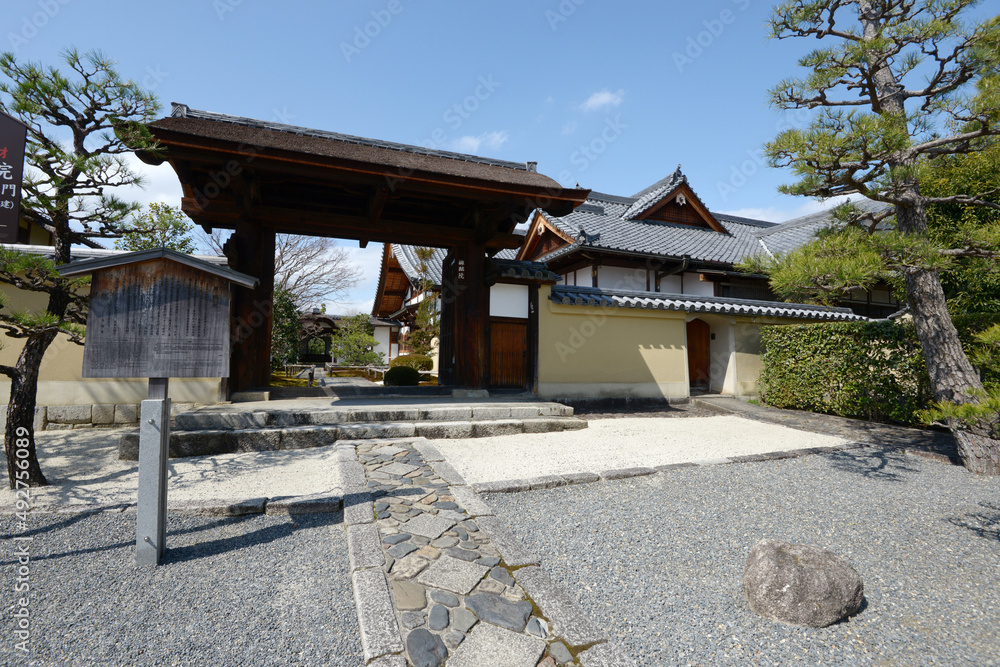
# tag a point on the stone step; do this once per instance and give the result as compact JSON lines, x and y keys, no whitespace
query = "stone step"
{"x":227,"y":441}
{"x":229,"y":419}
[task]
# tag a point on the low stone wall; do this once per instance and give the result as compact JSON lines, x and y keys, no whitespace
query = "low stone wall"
{"x":99,"y":415}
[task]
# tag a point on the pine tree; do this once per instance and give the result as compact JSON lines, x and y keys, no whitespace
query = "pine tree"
{"x":80,"y":127}
{"x":899,"y":86}
{"x":427,"y":319}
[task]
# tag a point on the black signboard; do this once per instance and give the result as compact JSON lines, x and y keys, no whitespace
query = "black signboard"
{"x":13,"y":134}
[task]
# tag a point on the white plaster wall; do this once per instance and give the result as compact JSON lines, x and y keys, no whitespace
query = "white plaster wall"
{"x":692,"y":285}
{"x":671,"y":285}
{"x":509,"y":301}
{"x":382,"y":337}
{"x":580,"y":278}
{"x":619,"y":278}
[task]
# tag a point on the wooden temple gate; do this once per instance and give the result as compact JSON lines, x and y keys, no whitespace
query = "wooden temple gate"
{"x":261,"y":179}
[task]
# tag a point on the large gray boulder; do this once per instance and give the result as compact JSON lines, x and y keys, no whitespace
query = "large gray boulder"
{"x":801,"y":584}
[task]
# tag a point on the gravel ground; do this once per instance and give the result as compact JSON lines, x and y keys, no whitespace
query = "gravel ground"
{"x":260,"y":590}
{"x":83,"y":467}
{"x":621,"y":443}
{"x":925,"y":537}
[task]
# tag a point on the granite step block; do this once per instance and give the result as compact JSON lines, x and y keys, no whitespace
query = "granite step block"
{"x":376,"y":617}
{"x":511,"y":549}
{"x":569,"y":621}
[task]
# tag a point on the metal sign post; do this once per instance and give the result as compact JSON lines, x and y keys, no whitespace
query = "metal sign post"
{"x":154,"y":445}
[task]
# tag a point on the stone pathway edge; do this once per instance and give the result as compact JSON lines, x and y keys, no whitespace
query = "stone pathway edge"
{"x":385,"y":646}
{"x":567,"y":479}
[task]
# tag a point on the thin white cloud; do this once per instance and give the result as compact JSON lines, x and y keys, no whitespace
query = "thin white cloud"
{"x":604,"y":99}
{"x":570,"y":127}
{"x":774,"y":214}
{"x":473,"y":144}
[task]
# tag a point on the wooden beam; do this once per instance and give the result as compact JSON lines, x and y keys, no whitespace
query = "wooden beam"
{"x":377,"y":204}
{"x":215,"y":213}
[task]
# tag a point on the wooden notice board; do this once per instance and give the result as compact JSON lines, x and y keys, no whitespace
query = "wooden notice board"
{"x":157,"y":319}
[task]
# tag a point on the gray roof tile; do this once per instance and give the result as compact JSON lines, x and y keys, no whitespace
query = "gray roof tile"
{"x":646,"y":199}
{"x":788,"y":236}
{"x":649,"y":237}
{"x":588,"y":296}
{"x":406,"y":255}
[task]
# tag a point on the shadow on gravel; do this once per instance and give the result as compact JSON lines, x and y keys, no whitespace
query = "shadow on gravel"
{"x":872,"y":463}
{"x":189,"y":552}
{"x":985,"y":524}
{"x":243,"y":540}
{"x":13,"y":531}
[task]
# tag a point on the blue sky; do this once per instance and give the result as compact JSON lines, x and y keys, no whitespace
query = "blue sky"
{"x":610,"y":95}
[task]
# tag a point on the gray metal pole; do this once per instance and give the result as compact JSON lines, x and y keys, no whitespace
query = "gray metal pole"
{"x":154,"y":443}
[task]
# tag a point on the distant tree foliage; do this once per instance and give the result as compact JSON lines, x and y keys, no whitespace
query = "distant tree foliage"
{"x":286,"y":330}
{"x":354,"y":342}
{"x":972,"y":284}
{"x":159,"y":226}
{"x":427,"y":319}
{"x":312,"y":269}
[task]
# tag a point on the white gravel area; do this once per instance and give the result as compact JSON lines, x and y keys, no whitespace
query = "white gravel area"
{"x":83,"y":467}
{"x":608,"y":444}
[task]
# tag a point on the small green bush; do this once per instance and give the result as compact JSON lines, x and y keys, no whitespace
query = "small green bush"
{"x":402,"y":376}
{"x":420,"y":362}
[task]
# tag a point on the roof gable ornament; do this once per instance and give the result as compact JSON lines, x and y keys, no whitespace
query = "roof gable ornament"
{"x":668,"y":201}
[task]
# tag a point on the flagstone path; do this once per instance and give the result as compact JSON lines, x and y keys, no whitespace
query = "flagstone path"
{"x":438,"y":580}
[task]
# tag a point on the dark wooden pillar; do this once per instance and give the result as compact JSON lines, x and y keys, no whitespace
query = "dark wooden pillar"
{"x":251,"y":251}
{"x":533,"y":335}
{"x":446,"y":341}
{"x":470,"y":296}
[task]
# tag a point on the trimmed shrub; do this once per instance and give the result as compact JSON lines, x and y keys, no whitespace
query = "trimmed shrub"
{"x":865,"y":370}
{"x":402,"y":376}
{"x":420,"y":362}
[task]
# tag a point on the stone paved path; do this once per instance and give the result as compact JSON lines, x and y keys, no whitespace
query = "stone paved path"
{"x":440,"y":580}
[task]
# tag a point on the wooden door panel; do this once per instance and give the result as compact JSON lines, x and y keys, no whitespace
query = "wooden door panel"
{"x":509,"y":354}
{"x":699,"y":355}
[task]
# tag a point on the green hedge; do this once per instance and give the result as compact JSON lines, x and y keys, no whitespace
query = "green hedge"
{"x":402,"y":376}
{"x":420,"y":362}
{"x":866,"y":370}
